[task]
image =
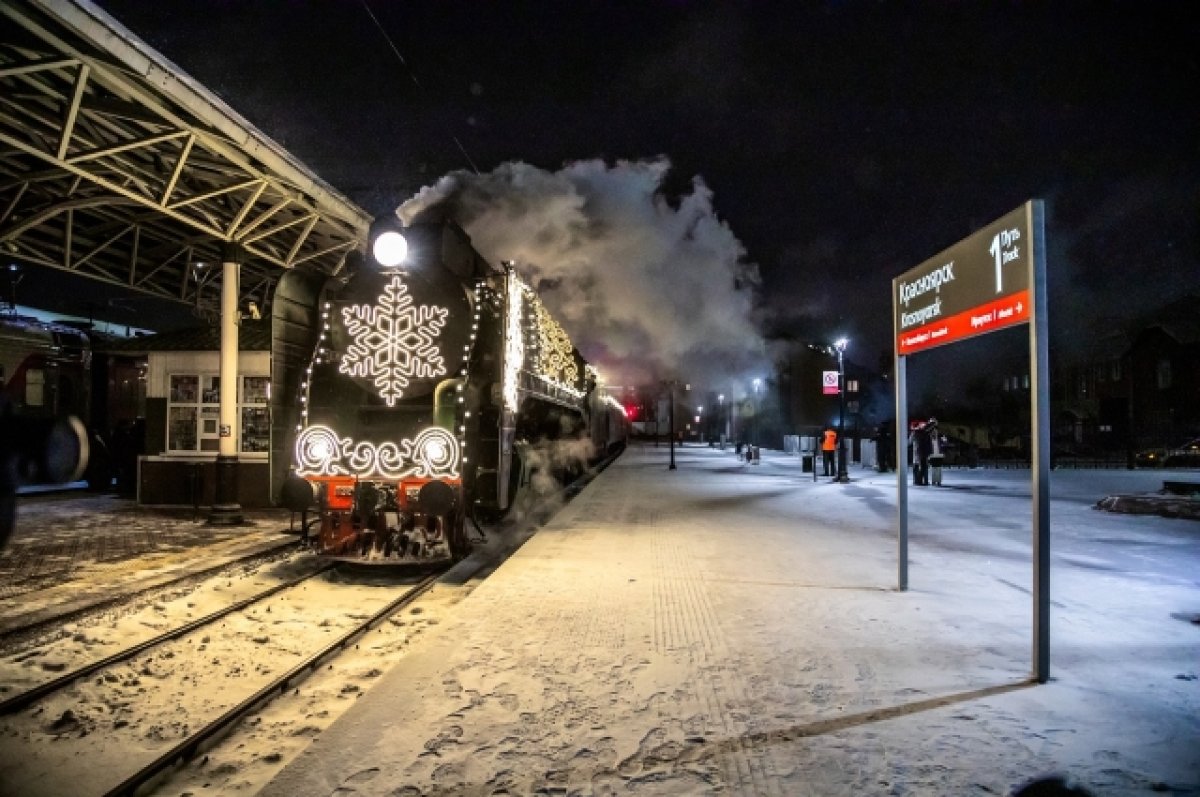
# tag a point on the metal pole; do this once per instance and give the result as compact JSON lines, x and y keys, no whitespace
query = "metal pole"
{"x":841,"y":464}
{"x":671,"y":416}
{"x":754,"y":437}
{"x":1039,"y":405}
{"x":901,"y":369}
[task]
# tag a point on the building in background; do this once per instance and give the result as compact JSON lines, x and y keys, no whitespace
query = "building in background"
{"x":1137,"y":387}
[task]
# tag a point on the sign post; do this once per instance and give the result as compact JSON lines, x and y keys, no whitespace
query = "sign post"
{"x":990,"y":280}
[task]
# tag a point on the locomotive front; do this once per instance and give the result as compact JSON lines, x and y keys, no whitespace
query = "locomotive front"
{"x":381,"y":432}
{"x":437,"y":385}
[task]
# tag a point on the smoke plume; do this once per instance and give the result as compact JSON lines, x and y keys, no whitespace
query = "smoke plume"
{"x":647,"y":287}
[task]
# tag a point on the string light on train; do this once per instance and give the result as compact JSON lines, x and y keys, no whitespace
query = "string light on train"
{"x":476,"y":293}
{"x":306,"y":383}
{"x":514,"y":344}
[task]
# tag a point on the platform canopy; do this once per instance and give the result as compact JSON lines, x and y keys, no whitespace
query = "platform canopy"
{"x":117,"y":166}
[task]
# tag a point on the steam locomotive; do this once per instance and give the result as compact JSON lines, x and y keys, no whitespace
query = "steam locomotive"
{"x":431,"y":387}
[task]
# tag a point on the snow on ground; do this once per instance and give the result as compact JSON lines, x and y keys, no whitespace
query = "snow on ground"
{"x":727,"y":628}
{"x":87,"y":738}
{"x":722,"y":628}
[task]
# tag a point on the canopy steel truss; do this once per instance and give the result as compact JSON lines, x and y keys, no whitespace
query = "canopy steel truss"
{"x":117,"y":166}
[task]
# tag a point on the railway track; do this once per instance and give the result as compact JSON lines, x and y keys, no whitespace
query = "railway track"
{"x":30,"y":696}
{"x":189,"y":747}
{"x":75,"y":613}
{"x":179,"y":649}
{"x":91,"y":726}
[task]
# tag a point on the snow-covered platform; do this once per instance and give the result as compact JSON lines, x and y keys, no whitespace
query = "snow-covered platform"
{"x":735,"y":629}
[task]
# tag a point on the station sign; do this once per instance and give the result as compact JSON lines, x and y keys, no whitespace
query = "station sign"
{"x":978,"y":285}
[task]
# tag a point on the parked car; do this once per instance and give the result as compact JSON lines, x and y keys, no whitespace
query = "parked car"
{"x":1186,"y":455}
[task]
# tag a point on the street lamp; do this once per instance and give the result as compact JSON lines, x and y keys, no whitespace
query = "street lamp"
{"x":840,"y":345}
{"x":721,"y":430}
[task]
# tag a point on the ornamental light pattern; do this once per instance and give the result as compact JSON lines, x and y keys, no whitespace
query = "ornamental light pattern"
{"x":556,"y":360}
{"x":394,"y":341}
{"x":433,"y":453}
{"x":514,"y":341}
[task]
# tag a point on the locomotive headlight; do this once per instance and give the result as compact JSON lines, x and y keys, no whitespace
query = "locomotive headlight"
{"x":390,"y":248}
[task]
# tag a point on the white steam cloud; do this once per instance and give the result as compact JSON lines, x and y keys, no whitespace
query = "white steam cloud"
{"x":647,"y":288}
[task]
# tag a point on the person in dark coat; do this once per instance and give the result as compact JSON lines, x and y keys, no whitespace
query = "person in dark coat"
{"x":883,"y":447}
{"x":922,"y":447}
{"x":937,"y":451}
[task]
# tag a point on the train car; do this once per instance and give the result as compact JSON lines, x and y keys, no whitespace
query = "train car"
{"x":45,"y":368}
{"x":45,"y":372}
{"x":54,"y":370}
{"x":435,"y":388}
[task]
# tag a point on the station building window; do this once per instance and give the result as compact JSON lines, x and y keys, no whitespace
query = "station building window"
{"x":193,"y":414}
{"x":1163,"y":374}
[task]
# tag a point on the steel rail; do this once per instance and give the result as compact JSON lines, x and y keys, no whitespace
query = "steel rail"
{"x":187,"y":749}
{"x":18,"y":702}
{"x":101,"y":605}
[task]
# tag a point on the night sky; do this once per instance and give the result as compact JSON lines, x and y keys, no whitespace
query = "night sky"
{"x":842,"y":143}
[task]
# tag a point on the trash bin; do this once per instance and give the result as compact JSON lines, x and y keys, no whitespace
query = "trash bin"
{"x":806,"y":463}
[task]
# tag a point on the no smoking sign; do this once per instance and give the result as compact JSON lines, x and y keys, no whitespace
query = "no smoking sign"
{"x":829,"y":382}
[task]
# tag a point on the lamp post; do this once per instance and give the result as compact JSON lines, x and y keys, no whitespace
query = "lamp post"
{"x":840,"y":345}
{"x":721,"y":431}
{"x":671,"y":416}
{"x":757,"y":385}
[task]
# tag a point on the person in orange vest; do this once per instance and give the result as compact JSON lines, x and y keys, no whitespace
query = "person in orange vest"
{"x":828,"y":451}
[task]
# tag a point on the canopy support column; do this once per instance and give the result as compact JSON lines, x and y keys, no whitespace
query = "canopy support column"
{"x":226,"y":511}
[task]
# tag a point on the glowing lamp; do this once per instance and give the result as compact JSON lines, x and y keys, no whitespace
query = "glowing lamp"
{"x":390,"y":248}
{"x":434,"y":450}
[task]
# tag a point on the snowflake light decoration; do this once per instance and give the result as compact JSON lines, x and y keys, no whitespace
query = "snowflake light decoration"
{"x":394,"y":341}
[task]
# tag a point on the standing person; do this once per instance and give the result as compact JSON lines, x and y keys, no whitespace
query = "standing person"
{"x":829,"y":450}
{"x":936,"y":454}
{"x":921,"y":449}
{"x":883,"y":447}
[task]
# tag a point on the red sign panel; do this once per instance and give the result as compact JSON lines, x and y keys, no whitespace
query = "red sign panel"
{"x":1001,"y":313}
